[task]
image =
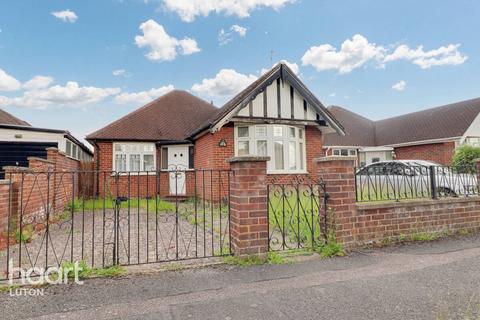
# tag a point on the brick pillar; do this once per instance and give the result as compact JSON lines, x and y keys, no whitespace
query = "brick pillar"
{"x":248,"y":206}
{"x":6,"y":202}
{"x":339,"y":177}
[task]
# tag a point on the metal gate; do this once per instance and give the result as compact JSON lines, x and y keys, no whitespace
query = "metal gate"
{"x":108,"y":218}
{"x":297,"y":213}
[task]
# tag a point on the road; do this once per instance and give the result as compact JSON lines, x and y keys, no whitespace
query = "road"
{"x":435,"y":280}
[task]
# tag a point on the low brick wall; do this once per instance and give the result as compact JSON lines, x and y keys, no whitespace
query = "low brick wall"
{"x":374,"y":223}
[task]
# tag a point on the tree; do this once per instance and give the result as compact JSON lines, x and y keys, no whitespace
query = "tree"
{"x":465,"y":156}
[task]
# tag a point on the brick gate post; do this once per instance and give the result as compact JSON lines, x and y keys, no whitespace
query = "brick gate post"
{"x":248,"y":206}
{"x":338,"y":173}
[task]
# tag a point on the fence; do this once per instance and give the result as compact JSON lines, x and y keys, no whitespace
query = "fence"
{"x":399,"y":181}
{"x":297,"y":214}
{"x":113,"y":217}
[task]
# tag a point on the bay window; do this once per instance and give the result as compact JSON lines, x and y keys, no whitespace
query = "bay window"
{"x":134,"y":157}
{"x":284,"y":144}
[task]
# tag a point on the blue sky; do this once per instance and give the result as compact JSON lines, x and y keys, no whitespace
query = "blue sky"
{"x":83,"y":68}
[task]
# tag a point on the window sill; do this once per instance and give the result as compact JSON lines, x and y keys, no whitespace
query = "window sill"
{"x":135,"y":173}
{"x":287,"y":172}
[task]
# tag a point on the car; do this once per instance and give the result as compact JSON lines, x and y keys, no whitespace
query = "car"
{"x":401,"y":179}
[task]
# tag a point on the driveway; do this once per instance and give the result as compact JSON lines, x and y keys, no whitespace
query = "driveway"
{"x":436,"y":280}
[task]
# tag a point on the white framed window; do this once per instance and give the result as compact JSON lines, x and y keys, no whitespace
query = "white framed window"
{"x":134,"y":157}
{"x":344,"y":152}
{"x":283,"y":143}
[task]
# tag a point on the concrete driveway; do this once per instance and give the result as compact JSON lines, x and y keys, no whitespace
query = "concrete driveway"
{"x":436,"y":280}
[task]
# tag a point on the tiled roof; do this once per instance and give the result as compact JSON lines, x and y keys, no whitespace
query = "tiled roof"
{"x":7,"y":118}
{"x":173,"y":116}
{"x":442,"y":122}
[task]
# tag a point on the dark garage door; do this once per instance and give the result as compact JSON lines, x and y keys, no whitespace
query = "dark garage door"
{"x":16,"y":153}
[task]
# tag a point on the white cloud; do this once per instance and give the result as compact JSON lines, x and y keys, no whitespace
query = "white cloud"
{"x":400,"y":85}
{"x":242,"y":31}
{"x":65,"y":15}
{"x":333,"y":94}
{"x":70,"y":95}
{"x":295,"y":68}
{"x":358,"y":51}
{"x":189,"y":10}
{"x":38,"y":82}
{"x":163,"y":47}
{"x":121,"y":73}
{"x":353,"y":54}
{"x":142,"y":97}
{"x":448,"y":55}
{"x":225,"y":37}
{"x":227,"y":82}
{"x":8,"y":83}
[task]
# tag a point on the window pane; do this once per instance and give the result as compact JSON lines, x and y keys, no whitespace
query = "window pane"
{"x":292,"y":132}
{"x":119,"y":147}
{"x":278,"y":150}
{"x":300,"y":145}
{"x":300,"y":133}
{"x":262,"y":147}
{"x":344,"y":152}
{"x":243,"y":148}
{"x":352,"y":152}
{"x":292,"y":155}
{"x":134,"y":162}
{"x":164,"y":158}
{"x":336,"y":152}
{"x":277,"y":131}
{"x":68,"y":150}
{"x":148,"y":148}
{"x":191,"y":157}
{"x":261,"y":131}
{"x":148,"y":162}
{"x":74,"y":151}
{"x":121,"y":162}
{"x":243,"y":132}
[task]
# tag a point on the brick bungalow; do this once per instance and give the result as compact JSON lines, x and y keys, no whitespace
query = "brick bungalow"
{"x":431,"y":134}
{"x":276,"y":116}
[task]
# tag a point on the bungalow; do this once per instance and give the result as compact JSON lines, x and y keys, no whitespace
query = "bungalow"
{"x":276,"y":115}
{"x":431,"y":134}
{"x":19,"y":140}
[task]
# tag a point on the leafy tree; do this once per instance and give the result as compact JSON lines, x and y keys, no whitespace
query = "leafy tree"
{"x":465,"y":156}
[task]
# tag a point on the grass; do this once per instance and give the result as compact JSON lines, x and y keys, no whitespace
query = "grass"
{"x":88,"y":272}
{"x":331,"y":248}
{"x":272,"y":258}
{"x":109,"y":203}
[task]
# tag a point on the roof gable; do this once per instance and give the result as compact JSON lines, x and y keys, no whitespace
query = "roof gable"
{"x":285,"y":74}
{"x":172,"y":117}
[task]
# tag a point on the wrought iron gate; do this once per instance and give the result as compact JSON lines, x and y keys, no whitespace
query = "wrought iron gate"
{"x":297,"y":213}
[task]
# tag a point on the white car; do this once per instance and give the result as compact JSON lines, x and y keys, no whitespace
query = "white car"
{"x":409,"y":179}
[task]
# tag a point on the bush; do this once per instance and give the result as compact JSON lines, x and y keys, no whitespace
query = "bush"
{"x":465,"y":156}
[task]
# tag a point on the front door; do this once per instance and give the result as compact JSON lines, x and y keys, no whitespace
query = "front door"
{"x":177,"y":164}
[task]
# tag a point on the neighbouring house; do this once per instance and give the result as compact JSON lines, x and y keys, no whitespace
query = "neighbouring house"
{"x":19,"y":140}
{"x":275,"y":116}
{"x":431,"y":134}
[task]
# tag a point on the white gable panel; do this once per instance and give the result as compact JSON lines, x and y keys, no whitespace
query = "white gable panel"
{"x":285,"y":99}
{"x":298,"y":106}
{"x":258,"y":105}
{"x":245,"y":112}
{"x":272,"y":107}
{"x":311,"y":114}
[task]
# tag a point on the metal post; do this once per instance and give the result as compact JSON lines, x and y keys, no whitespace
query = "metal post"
{"x":433,"y":182}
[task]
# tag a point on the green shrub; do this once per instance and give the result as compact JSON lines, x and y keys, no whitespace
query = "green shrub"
{"x":465,"y":156}
{"x":331,"y":248}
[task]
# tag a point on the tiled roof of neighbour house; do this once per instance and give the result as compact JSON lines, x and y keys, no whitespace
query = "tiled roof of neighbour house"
{"x":279,"y":70}
{"x":7,"y":118}
{"x":359,"y":131}
{"x":442,"y":122}
{"x":173,"y":117}
{"x":447,"y":121}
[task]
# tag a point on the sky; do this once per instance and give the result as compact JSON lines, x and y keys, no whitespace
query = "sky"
{"x":79,"y":65}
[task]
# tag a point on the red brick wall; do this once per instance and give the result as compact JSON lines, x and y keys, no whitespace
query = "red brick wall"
{"x":437,"y":152}
{"x":248,"y":208}
{"x":377,"y":223}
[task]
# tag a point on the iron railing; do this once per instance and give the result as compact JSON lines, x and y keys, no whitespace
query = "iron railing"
{"x":297,"y":214}
{"x":106,"y":218}
{"x":387,"y":182}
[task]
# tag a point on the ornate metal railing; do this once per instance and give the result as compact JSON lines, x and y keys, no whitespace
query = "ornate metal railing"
{"x":297,"y":213}
{"x":106,"y":218}
{"x":386,"y":182}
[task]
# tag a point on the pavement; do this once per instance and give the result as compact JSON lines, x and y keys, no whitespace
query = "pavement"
{"x":434,"y":280}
